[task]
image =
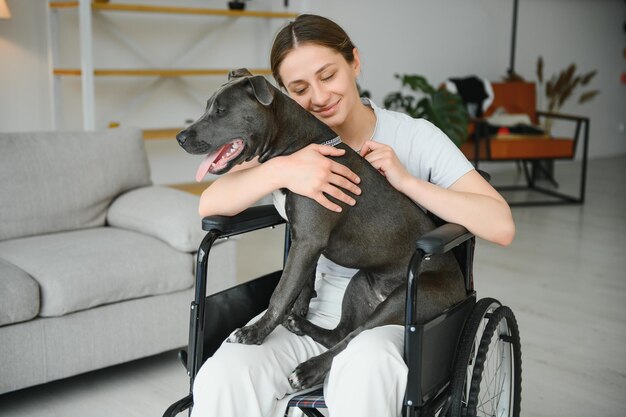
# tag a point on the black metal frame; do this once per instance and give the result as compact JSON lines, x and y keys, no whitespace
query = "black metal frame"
{"x":429,"y":347}
{"x":221,"y":227}
{"x":536,"y":170}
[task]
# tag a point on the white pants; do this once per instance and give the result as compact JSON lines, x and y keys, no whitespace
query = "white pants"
{"x":367,"y":379}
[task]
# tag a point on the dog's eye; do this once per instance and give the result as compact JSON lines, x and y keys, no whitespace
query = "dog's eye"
{"x":219,"y":110}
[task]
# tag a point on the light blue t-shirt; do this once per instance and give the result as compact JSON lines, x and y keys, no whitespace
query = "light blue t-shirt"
{"x":425,"y":151}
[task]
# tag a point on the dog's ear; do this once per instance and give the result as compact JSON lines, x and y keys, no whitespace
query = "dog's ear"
{"x":241,"y":72}
{"x":262,"y":90}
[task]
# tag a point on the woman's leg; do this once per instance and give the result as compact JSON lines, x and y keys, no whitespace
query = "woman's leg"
{"x":247,"y":380}
{"x":368,"y":378}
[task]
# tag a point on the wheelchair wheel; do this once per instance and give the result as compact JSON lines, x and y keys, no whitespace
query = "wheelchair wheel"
{"x":496,"y":385}
{"x":487,"y":375}
{"x":466,"y":355}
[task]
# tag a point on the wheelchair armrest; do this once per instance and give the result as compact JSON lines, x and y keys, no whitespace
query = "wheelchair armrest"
{"x":253,"y":218}
{"x":443,"y":239}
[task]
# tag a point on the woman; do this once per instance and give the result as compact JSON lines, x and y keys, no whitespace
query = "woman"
{"x":314,"y":60}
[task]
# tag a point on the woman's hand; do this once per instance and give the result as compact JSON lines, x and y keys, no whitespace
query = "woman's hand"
{"x":310,"y":173}
{"x":385,"y":160}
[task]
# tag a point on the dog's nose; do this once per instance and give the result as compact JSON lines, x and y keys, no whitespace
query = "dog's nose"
{"x":182,"y":137}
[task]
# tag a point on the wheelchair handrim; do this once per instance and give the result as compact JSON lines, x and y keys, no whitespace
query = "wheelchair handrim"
{"x":496,"y":387}
{"x":477,"y":337}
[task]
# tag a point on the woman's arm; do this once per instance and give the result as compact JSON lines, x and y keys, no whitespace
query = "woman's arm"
{"x":307,"y":172}
{"x":470,"y":201}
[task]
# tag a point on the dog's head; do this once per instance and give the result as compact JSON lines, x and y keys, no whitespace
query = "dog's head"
{"x":235,"y":125}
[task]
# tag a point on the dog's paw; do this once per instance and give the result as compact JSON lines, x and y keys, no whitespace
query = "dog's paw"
{"x":248,"y":335}
{"x":309,"y":373}
{"x":234,"y":336}
{"x":301,"y":311}
{"x":301,"y":306}
{"x":294,"y":324}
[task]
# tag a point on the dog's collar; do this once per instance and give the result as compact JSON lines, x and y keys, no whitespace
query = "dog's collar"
{"x":332,"y":142}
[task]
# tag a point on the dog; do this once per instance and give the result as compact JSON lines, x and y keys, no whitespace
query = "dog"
{"x":249,"y":117}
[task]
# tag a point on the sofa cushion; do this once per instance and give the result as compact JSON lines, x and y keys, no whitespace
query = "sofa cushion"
{"x":86,"y":268}
{"x":19,"y":295}
{"x":59,"y":181}
{"x":168,"y":214}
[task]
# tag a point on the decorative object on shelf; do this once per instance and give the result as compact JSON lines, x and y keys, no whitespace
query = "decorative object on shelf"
{"x":439,"y":106}
{"x":237,"y":5}
{"x":5,"y":13}
{"x":561,"y":86}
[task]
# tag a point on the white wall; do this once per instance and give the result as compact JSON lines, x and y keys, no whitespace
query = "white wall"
{"x":438,"y":39}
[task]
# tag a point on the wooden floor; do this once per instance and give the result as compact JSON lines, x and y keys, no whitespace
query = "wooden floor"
{"x":564,"y":277}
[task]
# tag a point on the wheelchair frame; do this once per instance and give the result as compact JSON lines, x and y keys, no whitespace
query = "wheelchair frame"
{"x":439,"y":353}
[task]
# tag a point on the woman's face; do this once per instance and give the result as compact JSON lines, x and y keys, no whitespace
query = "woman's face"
{"x":322,"y":81}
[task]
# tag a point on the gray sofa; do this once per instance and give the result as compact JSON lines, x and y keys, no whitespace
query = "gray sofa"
{"x":96,"y":263}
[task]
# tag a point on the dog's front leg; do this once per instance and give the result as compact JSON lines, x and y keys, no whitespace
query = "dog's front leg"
{"x":301,"y":306}
{"x":301,"y":260}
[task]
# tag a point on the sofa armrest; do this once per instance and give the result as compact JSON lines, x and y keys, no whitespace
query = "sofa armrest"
{"x":443,"y":238}
{"x":164,"y":213}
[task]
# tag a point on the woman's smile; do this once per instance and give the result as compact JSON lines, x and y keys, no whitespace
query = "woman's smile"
{"x":329,"y":110}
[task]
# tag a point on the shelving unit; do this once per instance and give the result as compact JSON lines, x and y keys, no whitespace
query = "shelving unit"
{"x":87,"y":72}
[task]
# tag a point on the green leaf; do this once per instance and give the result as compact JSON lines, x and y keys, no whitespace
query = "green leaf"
{"x":444,"y":109}
{"x":417,"y":83}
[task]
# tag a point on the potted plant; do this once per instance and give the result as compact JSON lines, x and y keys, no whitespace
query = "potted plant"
{"x":561,"y":86}
{"x":439,"y":106}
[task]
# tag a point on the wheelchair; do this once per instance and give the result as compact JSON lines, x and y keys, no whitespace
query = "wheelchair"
{"x":464,"y":362}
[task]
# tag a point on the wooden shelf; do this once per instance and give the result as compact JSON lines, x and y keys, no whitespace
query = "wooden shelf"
{"x":191,"y":187}
{"x":75,"y":72}
{"x":168,"y":133}
{"x":153,"y":134}
{"x":173,"y":10}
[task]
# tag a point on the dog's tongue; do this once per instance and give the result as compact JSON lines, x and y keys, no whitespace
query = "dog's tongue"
{"x":205,"y":165}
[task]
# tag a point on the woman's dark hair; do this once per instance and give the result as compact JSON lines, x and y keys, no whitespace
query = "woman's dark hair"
{"x":309,"y":29}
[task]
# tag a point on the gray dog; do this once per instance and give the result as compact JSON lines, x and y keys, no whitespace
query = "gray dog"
{"x":249,"y":117}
